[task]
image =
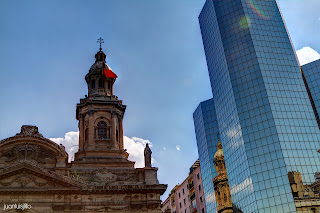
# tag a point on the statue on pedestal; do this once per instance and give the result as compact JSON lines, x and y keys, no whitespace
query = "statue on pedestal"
{"x":147,"y":156}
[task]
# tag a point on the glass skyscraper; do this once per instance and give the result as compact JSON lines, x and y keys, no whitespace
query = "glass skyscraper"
{"x":207,"y":133}
{"x":311,"y":75}
{"x":266,"y":121}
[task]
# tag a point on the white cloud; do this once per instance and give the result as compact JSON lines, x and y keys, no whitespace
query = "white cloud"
{"x":245,"y":186}
{"x":164,"y":148}
{"x":70,"y":141}
{"x":135,"y":147}
{"x":178,"y":148}
{"x":307,"y":55}
{"x":236,"y":133}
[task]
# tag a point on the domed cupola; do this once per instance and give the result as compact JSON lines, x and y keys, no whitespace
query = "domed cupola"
{"x":219,"y":160}
{"x":100,"y":78}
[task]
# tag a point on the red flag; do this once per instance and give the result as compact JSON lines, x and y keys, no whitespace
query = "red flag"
{"x":108,"y":73}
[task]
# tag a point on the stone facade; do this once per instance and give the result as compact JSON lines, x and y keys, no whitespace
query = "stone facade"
{"x":220,"y":182}
{"x":306,"y":197}
{"x":35,"y":171}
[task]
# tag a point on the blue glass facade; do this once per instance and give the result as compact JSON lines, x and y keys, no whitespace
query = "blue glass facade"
{"x":266,"y":122}
{"x":207,"y":133}
{"x":311,"y":74}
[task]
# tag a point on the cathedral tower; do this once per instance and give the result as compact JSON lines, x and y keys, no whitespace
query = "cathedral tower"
{"x":100,"y":179}
{"x":100,"y":116}
{"x":220,"y":182}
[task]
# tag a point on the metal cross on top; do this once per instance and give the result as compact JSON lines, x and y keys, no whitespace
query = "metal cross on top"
{"x":100,"y":40}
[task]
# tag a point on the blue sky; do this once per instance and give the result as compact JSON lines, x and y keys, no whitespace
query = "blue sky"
{"x":155,"y":48}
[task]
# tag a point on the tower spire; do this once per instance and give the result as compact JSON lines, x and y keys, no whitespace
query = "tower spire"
{"x":100,"y":40}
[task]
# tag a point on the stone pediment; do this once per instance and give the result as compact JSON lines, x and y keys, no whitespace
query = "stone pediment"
{"x":30,"y":140}
{"x":28,"y":176}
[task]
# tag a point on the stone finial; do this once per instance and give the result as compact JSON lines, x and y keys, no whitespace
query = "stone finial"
{"x":147,"y":156}
{"x":29,"y":130}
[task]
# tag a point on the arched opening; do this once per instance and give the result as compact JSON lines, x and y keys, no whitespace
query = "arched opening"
{"x":93,"y":84}
{"x":117,"y":136}
{"x":101,"y":83}
{"x":102,"y":131}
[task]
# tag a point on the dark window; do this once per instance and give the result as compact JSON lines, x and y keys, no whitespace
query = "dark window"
{"x":102,"y":130}
{"x":198,"y":176}
{"x":202,"y":210}
{"x":182,"y":191}
{"x":93,"y":84}
{"x":201,"y":199}
{"x":180,"y":205}
{"x":101,"y":83}
{"x":117,"y":135}
{"x":179,"y":194}
{"x":199,"y":187}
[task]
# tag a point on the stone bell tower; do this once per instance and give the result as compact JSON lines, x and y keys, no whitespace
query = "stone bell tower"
{"x":220,"y":182}
{"x":100,"y":116}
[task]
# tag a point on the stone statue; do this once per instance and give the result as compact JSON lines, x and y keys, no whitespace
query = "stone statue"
{"x":147,"y":156}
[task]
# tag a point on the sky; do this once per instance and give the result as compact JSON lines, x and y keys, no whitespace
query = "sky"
{"x":155,"y":48}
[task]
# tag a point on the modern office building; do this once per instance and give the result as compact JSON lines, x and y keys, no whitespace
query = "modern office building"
{"x":311,"y":77}
{"x":266,"y":122}
{"x":207,"y":134}
{"x":187,"y":197}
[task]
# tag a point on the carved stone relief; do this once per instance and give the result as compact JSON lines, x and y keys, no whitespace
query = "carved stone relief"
{"x":25,"y":179}
{"x":28,"y":130}
{"x":32,"y":153}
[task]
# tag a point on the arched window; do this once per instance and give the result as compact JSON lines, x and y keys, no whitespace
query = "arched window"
{"x":86,"y":134}
{"x":117,"y":136}
{"x":93,"y":84}
{"x":103,"y":130}
{"x":101,"y":83}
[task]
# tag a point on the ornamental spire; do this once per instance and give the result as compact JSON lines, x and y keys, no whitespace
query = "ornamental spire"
{"x":100,"y":40}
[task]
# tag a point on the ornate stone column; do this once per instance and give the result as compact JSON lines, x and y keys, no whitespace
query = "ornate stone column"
{"x":91,"y":129}
{"x":121,"y":131}
{"x":81,"y":132}
{"x":113,"y":130}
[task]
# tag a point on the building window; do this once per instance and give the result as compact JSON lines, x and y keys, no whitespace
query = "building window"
{"x":202,"y":210}
{"x":198,"y":176}
{"x":201,"y":199}
{"x":180,"y":204}
{"x":179,"y":194}
{"x":199,"y":187}
{"x":101,"y":83}
{"x":182,"y":191}
{"x":184,"y":200}
{"x":117,"y":135}
{"x":93,"y":84}
{"x":103,"y":131}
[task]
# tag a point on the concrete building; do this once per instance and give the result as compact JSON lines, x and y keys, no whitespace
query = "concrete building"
{"x":187,"y":197}
{"x":35,"y":171}
{"x":266,"y":122}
